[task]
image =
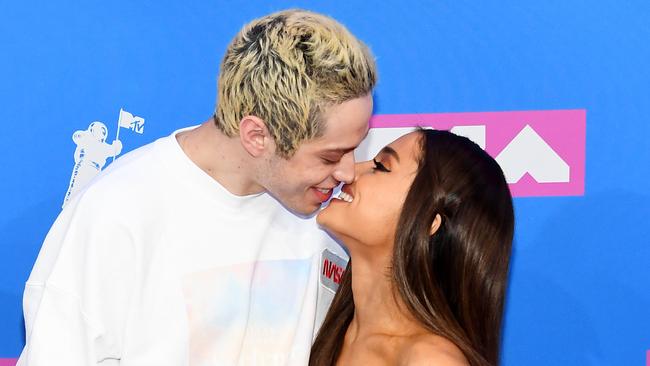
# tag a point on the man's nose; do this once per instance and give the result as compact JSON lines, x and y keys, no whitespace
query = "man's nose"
{"x":345,"y":172}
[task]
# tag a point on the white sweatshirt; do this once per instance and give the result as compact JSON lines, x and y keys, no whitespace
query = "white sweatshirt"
{"x":157,"y":264}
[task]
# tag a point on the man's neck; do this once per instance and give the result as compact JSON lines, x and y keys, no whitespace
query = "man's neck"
{"x":221,"y":157}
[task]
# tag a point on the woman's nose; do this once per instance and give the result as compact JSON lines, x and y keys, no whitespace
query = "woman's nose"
{"x":362,"y":167}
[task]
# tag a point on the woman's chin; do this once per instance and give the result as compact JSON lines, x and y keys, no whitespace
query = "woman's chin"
{"x":329,"y":220}
{"x":322,"y":218}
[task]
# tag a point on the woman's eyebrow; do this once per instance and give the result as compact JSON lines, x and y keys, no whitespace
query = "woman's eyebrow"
{"x":390,"y":151}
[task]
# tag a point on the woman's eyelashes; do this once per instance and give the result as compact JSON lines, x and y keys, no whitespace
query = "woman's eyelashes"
{"x":379,"y":166}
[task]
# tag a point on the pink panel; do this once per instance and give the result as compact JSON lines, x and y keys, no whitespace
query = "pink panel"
{"x":563,"y":130}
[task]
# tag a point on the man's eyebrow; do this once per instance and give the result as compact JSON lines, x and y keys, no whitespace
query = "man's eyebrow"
{"x":340,"y":150}
{"x":345,"y":150}
{"x":390,"y":151}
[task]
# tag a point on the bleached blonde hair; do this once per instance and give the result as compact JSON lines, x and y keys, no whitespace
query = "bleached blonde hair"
{"x":287,"y":68}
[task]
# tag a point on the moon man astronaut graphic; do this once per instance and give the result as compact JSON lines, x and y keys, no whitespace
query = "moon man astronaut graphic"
{"x":93,"y":150}
{"x":90,"y":156}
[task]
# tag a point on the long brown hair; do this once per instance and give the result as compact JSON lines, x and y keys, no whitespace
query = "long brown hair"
{"x":453,"y":282}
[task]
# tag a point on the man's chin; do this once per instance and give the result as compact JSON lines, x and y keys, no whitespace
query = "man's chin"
{"x":303,"y":210}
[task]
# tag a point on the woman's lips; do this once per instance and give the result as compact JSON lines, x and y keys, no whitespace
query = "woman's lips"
{"x":346,"y":188}
{"x":346,"y":194}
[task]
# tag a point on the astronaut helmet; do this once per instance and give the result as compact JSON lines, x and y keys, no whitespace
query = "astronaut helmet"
{"x":98,"y":130}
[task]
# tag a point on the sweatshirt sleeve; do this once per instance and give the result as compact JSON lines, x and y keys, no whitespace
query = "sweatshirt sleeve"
{"x":77,"y":298}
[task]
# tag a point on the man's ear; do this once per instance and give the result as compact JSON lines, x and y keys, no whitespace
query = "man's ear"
{"x":254,"y":135}
{"x":435,"y":225}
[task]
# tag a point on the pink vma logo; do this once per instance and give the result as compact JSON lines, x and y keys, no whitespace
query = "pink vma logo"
{"x":542,"y":153}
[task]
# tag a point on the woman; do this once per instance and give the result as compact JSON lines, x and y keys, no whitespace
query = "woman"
{"x":428,"y":225}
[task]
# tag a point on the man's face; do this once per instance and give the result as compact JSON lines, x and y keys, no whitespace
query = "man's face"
{"x":306,"y":180}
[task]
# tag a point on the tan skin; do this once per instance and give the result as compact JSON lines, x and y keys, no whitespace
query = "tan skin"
{"x":248,"y":164}
{"x":382,"y":331}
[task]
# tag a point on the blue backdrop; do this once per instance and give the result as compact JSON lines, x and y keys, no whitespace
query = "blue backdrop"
{"x":579,"y":291}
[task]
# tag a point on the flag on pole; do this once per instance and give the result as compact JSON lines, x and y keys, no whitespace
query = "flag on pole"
{"x":133,"y":123}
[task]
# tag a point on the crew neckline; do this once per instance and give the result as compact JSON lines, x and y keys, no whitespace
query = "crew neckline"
{"x":182,"y":164}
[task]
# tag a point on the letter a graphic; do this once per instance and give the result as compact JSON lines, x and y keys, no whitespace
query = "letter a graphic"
{"x":529,"y":153}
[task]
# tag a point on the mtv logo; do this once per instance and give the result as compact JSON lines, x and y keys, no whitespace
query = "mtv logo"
{"x":542,"y":153}
{"x":137,"y":126}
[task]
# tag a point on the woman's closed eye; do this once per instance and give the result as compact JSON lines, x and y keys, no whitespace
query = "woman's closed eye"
{"x":379,"y":166}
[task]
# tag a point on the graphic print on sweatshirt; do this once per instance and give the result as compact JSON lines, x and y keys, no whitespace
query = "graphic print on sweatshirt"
{"x":250,"y":313}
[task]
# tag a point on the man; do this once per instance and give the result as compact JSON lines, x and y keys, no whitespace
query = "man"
{"x":185,"y":252}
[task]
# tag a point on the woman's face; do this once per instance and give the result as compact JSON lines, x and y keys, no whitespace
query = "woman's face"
{"x":368,"y":209}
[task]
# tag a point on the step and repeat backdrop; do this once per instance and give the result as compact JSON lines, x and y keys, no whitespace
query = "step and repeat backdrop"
{"x":556,"y":91}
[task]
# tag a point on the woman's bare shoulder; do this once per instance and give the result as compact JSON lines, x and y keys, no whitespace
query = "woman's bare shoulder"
{"x":431,"y":349}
